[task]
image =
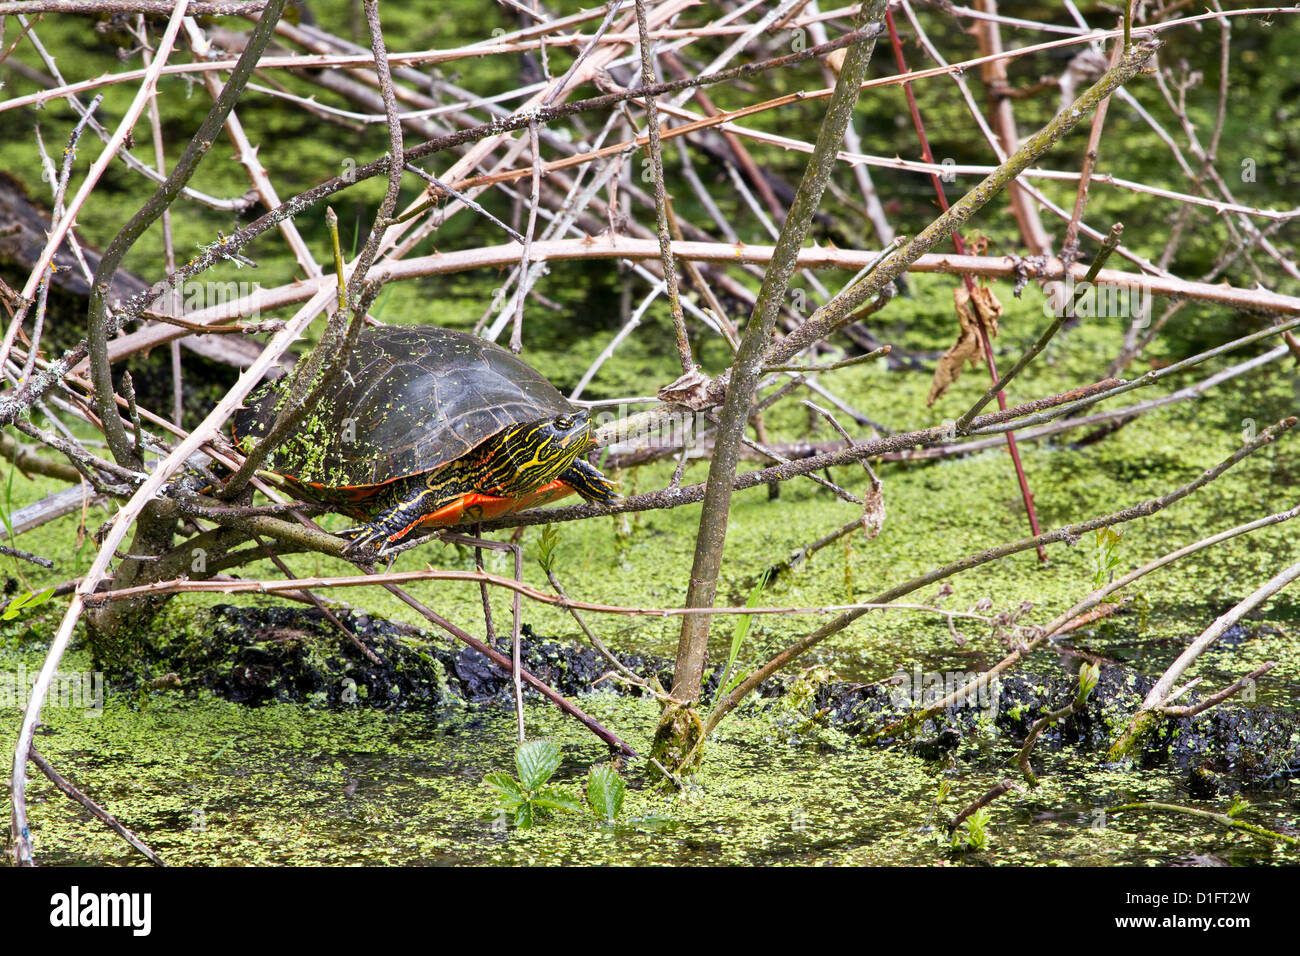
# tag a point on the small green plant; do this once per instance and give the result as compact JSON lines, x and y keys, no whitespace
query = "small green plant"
{"x":1105,"y":559}
{"x":1089,"y":674}
{"x":739,"y":631}
{"x":1238,"y":805}
{"x":25,"y":602}
{"x":941,"y":796}
{"x":605,"y":791}
{"x":527,"y":798}
{"x":8,"y":507}
{"x":546,"y":547}
{"x":976,"y":835}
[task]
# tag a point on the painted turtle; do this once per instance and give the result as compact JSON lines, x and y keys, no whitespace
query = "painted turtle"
{"x":430,"y":427}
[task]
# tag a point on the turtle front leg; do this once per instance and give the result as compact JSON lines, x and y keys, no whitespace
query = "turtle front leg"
{"x":583,"y":478}
{"x":410,"y":503}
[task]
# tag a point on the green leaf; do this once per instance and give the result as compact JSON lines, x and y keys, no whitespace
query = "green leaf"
{"x":1089,"y":674}
{"x":537,"y":760}
{"x":524,"y":817}
{"x":977,"y":836}
{"x":546,"y":547}
{"x":26,"y":602}
{"x":41,"y":598}
{"x":553,"y":798}
{"x":605,"y":790}
{"x":16,"y":606}
{"x":507,"y":787}
{"x":740,"y":631}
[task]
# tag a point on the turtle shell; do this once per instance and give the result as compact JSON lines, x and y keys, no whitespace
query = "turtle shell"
{"x":413,"y":399}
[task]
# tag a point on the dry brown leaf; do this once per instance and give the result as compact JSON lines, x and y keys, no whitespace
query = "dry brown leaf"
{"x":972,"y":306}
{"x":691,"y":390}
{"x":836,"y":60}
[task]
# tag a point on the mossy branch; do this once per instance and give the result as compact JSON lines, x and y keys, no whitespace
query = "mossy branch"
{"x":1232,"y":823}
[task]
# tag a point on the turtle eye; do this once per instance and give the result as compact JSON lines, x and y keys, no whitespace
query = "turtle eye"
{"x":563,"y":422}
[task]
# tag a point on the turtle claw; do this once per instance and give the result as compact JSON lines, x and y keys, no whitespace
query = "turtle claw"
{"x":362,"y":537}
{"x":367,"y":536}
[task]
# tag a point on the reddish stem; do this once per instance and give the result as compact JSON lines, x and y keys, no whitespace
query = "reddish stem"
{"x":960,"y":246}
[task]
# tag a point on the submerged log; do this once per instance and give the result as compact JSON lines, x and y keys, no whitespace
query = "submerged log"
{"x":257,"y":655}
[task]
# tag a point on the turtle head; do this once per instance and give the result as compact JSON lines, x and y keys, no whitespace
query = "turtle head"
{"x":532,"y":454}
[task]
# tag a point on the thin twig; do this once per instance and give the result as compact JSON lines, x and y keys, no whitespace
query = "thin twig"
{"x":998,"y":789}
{"x":1223,"y":819}
{"x":648,"y":80}
{"x":1236,"y":687}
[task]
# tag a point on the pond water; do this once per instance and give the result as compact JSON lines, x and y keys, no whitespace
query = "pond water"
{"x":208,"y":782}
